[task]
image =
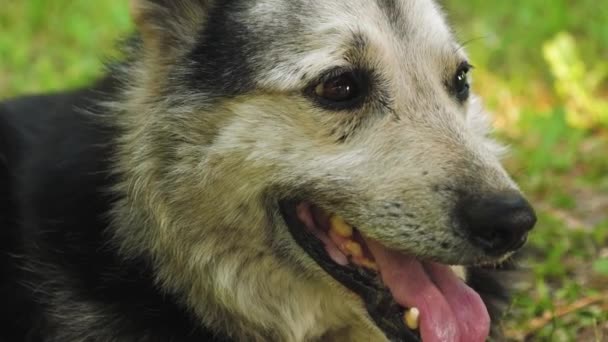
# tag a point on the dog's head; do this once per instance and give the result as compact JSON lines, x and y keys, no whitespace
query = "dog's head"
{"x":339,"y":139}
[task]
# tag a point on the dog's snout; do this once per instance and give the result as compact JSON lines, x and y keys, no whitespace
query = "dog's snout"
{"x":499,"y":223}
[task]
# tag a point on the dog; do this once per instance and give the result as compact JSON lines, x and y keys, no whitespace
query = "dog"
{"x":260,"y":170}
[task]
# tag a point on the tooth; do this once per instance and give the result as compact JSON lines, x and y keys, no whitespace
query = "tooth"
{"x":353,"y":248}
{"x":412,"y":318}
{"x":339,"y":226}
{"x":365,"y":262}
{"x":370,"y":265}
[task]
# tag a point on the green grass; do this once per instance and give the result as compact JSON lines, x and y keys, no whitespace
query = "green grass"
{"x":51,"y":45}
{"x":541,"y":68}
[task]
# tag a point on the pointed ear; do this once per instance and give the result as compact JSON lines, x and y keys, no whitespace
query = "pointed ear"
{"x":166,"y":26}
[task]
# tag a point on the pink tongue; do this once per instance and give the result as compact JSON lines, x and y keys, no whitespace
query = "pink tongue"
{"x":449,"y":309}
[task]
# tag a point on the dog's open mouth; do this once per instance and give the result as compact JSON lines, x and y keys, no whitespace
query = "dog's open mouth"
{"x":409,"y":299}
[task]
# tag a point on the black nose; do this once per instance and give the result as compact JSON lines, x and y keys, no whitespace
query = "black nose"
{"x":498,"y":223}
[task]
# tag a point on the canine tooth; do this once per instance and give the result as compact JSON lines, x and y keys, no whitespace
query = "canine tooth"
{"x":412,"y":318}
{"x":353,"y":248}
{"x":340,"y":226}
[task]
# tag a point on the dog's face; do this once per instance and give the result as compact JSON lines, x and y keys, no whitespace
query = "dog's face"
{"x":338,"y":137}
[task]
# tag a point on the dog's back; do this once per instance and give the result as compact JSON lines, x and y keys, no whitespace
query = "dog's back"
{"x":8,"y":149}
{"x":36,"y":139}
{"x":21,"y":128}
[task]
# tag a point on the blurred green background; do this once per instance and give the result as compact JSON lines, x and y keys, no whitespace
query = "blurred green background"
{"x":541,"y":67}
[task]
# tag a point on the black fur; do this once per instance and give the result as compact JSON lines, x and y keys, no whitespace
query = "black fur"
{"x":220,"y":66}
{"x":55,"y":250}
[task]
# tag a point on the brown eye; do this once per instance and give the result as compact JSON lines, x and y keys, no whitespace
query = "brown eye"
{"x":338,"y":89}
{"x":341,"y":90}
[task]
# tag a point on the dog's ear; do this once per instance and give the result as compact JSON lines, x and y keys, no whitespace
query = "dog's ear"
{"x":167,"y":26}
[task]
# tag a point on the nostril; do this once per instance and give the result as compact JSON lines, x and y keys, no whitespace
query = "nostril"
{"x":499,"y":240}
{"x":488,"y":240}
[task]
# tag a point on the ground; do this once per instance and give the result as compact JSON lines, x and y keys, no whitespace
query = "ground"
{"x":544,"y":75}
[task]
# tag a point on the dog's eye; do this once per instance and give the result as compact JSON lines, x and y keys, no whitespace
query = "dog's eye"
{"x":461,"y":82}
{"x":340,"y":90}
